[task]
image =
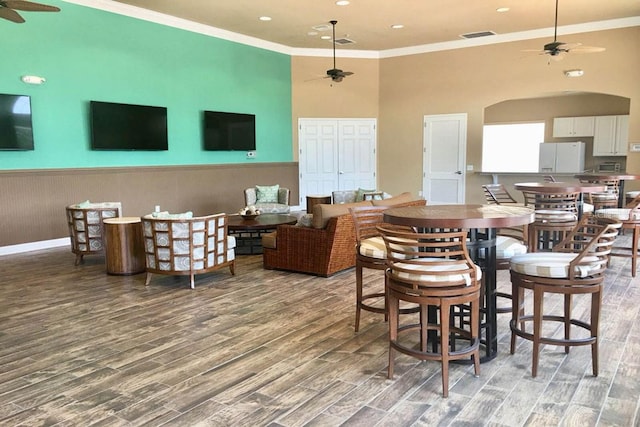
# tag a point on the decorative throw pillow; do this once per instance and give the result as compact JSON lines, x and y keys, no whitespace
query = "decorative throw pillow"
{"x":305,"y":220}
{"x":267,"y":193}
{"x":360,"y":194}
{"x":85,"y":204}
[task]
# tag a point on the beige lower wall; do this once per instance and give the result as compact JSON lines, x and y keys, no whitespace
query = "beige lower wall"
{"x":33,"y":201}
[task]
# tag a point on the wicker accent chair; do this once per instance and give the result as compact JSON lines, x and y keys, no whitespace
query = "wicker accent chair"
{"x":629,"y":216}
{"x":187,"y":246}
{"x":371,"y":253}
{"x":279,"y":206}
{"x":576,"y":266}
{"x":432,"y":270}
{"x":86,"y":228}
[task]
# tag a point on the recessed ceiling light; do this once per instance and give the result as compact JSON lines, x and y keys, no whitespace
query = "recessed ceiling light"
{"x":397,"y":26}
{"x":265,"y":18}
{"x":342,"y":2}
{"x":325,"y":37}
{"x":502,"y":9}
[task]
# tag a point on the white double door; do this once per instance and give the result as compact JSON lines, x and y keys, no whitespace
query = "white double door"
{"x":336,"y":154}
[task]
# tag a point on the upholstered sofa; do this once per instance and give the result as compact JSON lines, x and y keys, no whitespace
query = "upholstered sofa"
{"x":278,"y":203}
{"x":86,"y":229}
{"x":185,"y":245}
{"x":326,"y":244}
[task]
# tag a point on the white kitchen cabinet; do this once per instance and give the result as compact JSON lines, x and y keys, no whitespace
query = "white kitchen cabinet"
{"x":573,"y":126}
{"x":561,"y":157}
{"x":611,"y":135}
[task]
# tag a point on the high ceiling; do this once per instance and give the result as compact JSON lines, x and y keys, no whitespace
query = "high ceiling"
{"x":368,"y":22}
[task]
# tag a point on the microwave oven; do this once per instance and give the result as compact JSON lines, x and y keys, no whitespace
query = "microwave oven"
{"x":609,"y":167}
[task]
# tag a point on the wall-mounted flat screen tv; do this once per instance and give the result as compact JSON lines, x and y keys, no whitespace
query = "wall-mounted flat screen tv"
{"x":117,"y":126}
{"x":229,"y":131}
{"x":16,"y":130}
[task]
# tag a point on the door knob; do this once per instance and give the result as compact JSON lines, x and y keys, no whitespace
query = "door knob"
{"x":458,"y":172}
{"x":341,"y":172}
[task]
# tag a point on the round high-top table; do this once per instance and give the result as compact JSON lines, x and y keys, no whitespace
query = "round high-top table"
{"x":248,"y":232}
{"x":620,"y":176}
{"x":482,"y":222}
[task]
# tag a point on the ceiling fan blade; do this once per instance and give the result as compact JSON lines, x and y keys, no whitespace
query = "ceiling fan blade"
{"x":587,"y":49}
{"x":11,"y":15}
{"x":30,"y":6}
{"x":347,"y":73}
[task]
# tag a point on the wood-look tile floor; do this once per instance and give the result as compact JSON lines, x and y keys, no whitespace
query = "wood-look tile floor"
{"x":266,"y":348}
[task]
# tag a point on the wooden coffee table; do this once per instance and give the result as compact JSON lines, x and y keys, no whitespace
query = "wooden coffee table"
{"x":248,"y":232}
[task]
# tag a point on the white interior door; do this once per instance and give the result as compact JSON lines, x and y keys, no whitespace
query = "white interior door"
{"x":444,"y":157}
{"x":318,"y":157}
{"x":336,"y":154}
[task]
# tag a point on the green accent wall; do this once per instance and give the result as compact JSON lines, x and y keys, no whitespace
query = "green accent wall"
{"x":87,"y":54}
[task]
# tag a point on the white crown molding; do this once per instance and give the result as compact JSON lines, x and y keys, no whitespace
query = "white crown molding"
{"x":172,"y":21}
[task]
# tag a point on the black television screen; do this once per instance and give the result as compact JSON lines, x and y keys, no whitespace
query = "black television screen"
{"x":229,"y":131}
{"x":16,"y":130}
{"x":117,"y":126}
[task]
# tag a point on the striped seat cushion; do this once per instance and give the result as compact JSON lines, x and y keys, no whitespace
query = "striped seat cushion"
{"x":548,"y":215}
{"x":604,"y":196}
{"x":420,"y":272}
{"x":587,"y":207}
{"x":552,"y":264}
{"x":632,"y":194}
{"x":621,"y":214}
{"x":507,"y":247}
{"x":374,"y":247}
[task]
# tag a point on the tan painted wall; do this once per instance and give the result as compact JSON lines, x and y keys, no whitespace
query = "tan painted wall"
{"x":462,"y":81}
{"x":314,"y":96}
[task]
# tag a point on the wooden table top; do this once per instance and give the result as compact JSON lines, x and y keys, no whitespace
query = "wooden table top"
{"x":122,"y":220}
{"x":460,"y":216}
{"x":607,"y":175}
{"x":559,"y":187}
{"x":261,"y":222}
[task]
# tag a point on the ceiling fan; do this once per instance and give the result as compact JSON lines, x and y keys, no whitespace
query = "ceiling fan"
{"x":8,"y":9}
{"x":557,"y":50}
{"x":336,"y":74}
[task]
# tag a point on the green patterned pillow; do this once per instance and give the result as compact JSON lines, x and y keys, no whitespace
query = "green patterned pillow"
{"x":360,"y":194}
{"x":267,"y":193}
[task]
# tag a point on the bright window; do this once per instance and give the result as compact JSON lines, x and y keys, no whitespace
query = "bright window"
{"x":511,"y":147}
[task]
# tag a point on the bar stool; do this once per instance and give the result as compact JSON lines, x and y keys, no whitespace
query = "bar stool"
{"x":574,"y":267}
{"x":555,"y":215}
{"x":630,"y":219}
{"x":432,"y":270}
{"x":606,"y":199}
{"x":371,"y":253}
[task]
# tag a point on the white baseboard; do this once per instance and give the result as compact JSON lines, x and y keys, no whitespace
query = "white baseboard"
{"x":34,"y":246}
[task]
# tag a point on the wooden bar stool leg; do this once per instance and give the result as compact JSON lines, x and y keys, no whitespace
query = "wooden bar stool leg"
{"x":567,"y":320}
{"x":596,"y":302}
{"x":394,"y":314}
{"x":538,"y":300}
{"x":358,"y":296}
{"x":445,"y":311}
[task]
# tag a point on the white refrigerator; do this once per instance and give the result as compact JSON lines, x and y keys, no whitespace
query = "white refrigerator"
{"x":562,"y":157}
